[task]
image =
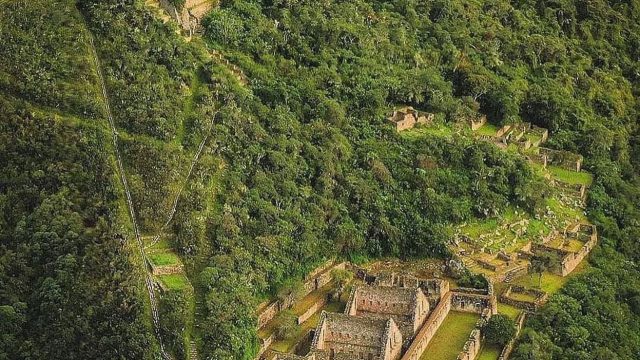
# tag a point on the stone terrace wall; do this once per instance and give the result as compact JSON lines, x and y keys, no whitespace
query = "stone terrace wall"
{"x":264,"y":345}
{"x":474,"y":343}
{"x":564,"y":159}
{"x":321,"y":277}
{"x":474,"y":303}
{"x":167,"y":269}
{"x":268,"y":313}
{"x":429,"y":329}
{"x":312,"y":310}
{"x":506,"y":351}
{"x":530,"y":306}
{"x":572,"y":261}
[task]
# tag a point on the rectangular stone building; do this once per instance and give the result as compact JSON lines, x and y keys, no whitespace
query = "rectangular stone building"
{"x":407,"y":117}
{"x":409,"y":307}
{"x":340,"y":336}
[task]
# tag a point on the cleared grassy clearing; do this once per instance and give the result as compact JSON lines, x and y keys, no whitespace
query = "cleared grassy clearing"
{"x":489,"y":352}
{"x":487,"y":129}
{"x":164,"y":258}
{"x":175,"y":281}
{"x":508,"y":310}
{"x":551,"y":283}
{"x":571,"y":177}
{"x":450,"y":337}
{"x":570,"y":245}
{"x":522,"y":297}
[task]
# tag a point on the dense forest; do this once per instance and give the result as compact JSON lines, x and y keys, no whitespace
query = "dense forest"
{"x":301,"y":165}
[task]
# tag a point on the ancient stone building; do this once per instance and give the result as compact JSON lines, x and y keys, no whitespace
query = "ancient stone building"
{"x":564,"y":159}
{"x":408,"y":307}
{"x":340,"y":336}
{"x":190,"y":15}
{"x":478,"y":122}
{"x":407,"y":118}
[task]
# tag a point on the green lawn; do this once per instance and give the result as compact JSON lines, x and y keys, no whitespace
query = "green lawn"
{"x":563,"y":211}
{"x":451,"y":336}
{"x":522,"y":297}
{"x":489,"y":352}
{"x":571,"y":177}
{"x":164,"y":258}
{"x":175,"y":281}
{"x":487,"y":129}
{"x":508,"y":310}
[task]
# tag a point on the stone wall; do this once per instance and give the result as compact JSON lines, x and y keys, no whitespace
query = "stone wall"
{"x":506,"y":351}
{"x":312,"y":310}
{"x":268,"y":313}
{"x":474,"y":303}
{"x":264,"y":345}
{"x":539,"y":159}
{"x":473,"y":345}
{"x":564,"y":159}
{"x":167,"y":269}
{"x":429,"y":329}
{"x":478,"y":122}
{"x":540,"y":298}
{"x":571,"y":262}
{"x":322,"y":276}
{"x":503,"y":130}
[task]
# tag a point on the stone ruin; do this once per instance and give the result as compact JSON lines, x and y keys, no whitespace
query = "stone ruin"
{"x":408,"y":307}
{"x":538,"y":297}
{"x":190,"y":16}
{"x":586,"y":233}
{"x":407,"y":117}
{"x":344,"y":336}
{"x":561,"y":158}
{"x":477,"y":122}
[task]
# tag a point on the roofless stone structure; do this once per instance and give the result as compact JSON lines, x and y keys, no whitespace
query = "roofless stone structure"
{"x":408,"y":307}
{"x":343,"y":336}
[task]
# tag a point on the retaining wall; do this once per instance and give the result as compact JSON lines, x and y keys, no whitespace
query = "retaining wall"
{"x":429,"y":329}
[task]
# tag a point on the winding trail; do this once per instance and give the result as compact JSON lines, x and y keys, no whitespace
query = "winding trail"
{"x":114,"y":137}
{"x":194,"y":161}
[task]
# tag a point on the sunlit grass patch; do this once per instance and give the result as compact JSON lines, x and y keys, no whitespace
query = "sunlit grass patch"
{"x":487,"y":129}
{"x":508,"y":310}
{"x":174,"y":281}
{"x":489,"y":352}
{"x":164,"y":258}
{"x":571,"y":177}
{"x":450,"y":338}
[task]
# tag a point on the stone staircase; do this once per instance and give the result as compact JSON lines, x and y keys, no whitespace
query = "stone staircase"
{"x":234,"y":69}
{"x":193,"y":351}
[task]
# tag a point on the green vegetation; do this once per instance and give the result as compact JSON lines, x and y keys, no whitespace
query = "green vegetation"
{"x":301,"y":165}
{"x":499,"y":330}
{"x":508,"y":310}
{"x":448,"y":341}
{"x":488,"y":129}
{"x":490,"y":352}
{"x":175,"y":281}
{"x":571,"y":177}
{"x":161,"y":259}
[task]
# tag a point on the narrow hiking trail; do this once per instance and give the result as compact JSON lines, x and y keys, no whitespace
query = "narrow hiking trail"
{"x":194,"y":161}
{"x":114,"y":137}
